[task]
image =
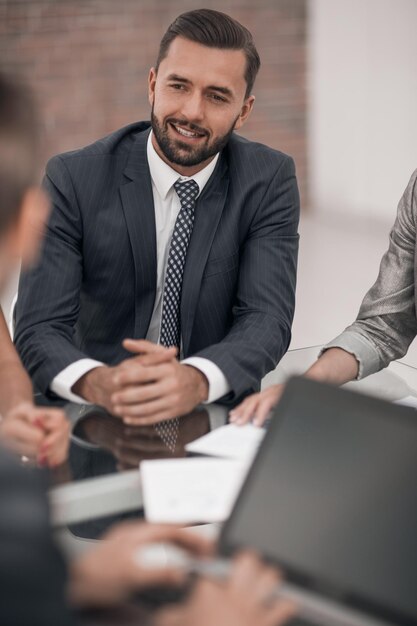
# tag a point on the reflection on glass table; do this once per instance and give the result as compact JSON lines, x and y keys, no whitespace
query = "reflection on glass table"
{"x":103,"y":445}
{"x":100,"y":483}
{"x":129,"y":445}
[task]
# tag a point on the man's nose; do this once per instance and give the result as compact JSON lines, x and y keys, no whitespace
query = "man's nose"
{"x":193,"y":108}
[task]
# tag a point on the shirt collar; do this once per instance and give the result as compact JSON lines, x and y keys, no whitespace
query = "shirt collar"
{"x":164,"y":177}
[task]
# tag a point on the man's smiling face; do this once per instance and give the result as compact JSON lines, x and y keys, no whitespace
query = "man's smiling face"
{"x":198,"y":99}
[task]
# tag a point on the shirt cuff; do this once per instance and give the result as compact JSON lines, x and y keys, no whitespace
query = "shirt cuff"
{"x":218,"y":385}
{"x":363,"y":351}
{"x":65,"y":380}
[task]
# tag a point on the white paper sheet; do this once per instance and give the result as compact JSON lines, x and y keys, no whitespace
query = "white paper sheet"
{"x":230,"y":441}
{"x":184,"y":491}
{"x":408,"y":401}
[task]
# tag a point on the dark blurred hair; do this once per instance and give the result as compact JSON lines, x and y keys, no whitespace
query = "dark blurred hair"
{"x":18,"y":147}
{"x":214,"y":30}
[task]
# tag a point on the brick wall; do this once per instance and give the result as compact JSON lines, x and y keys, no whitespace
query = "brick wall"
{"x":89,"y":61}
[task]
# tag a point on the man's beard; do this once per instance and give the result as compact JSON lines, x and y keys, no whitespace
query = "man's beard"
{"x":181,"y":153}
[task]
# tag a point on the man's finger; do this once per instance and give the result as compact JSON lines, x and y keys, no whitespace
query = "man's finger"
{"x":136,"y":394}
{"x":149,"y":353}
{"x":133,"y":373}
{"x":142,"y":346}
{"x":145,"y":409}
{"x":156,"y":358}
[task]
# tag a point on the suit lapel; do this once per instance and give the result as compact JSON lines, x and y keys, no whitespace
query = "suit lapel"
{"x":209,"y":209}
{"x":138,"y":207}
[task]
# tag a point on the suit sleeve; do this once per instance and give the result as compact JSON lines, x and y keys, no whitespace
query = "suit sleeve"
{"x":386,"y":322}
{"x":32,"y":572}
{"x":49,"y":295}
{"x":264,"y":306}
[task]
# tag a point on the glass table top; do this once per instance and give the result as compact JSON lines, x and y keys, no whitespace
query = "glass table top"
{"x":103,"y":447}
{"x":100,"y":483}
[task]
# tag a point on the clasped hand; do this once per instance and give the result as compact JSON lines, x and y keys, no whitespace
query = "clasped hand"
{"x":38,"y":433}
{"x":150,"y":387}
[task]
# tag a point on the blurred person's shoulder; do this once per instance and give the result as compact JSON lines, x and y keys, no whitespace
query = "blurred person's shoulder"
{"x":114,"y":146}
{"x":244,"y":154}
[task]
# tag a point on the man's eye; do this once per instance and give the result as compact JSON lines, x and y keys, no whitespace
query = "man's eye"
{"x":217,"y":98}
{"x":177,"y":86}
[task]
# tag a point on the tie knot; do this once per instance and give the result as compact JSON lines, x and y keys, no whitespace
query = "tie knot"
{"x":187,"y":191}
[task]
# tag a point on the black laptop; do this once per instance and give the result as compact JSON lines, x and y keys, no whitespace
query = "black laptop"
{"x":332,"y":499}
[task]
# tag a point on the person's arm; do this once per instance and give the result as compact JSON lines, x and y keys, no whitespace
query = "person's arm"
{"x":15,"y":384}
{"x":48,"y":301}
{"x":387,"y":322}
{"x":335,"y":366}
{"x":385,"y":326}
{"x":265,"y":297}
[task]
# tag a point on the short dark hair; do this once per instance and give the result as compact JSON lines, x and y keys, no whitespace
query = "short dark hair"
{"x":214,"y":30}
{"x":18,"y":146}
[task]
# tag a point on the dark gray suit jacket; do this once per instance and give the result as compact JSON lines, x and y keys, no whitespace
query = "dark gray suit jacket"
{"x":96,"y":280}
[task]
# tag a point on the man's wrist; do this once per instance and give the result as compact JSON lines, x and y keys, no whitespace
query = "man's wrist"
{"x":92,"y":385}
{"x":200,"y":383}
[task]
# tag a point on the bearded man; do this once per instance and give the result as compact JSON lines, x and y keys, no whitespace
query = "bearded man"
{"x":168,"y":273}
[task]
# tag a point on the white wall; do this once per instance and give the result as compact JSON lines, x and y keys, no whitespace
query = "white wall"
{"x":363,"y":114}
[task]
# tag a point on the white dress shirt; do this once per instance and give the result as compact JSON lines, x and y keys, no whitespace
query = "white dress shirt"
{"x":167,"y":206}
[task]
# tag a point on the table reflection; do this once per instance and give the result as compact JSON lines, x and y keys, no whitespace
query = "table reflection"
{"x":102,"y":445}
{"x":129,"y":445}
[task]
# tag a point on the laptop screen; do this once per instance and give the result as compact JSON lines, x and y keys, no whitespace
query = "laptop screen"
{"x":332,"y":498}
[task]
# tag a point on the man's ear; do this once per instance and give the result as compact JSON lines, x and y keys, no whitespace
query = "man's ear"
{"x":245,"y":111}
{"x":151,"y":85}
{"x":30,"y":224}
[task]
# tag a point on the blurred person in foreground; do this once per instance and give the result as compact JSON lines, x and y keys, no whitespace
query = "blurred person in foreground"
{"x":178,"y":233}
{"x":386,"y":323}
{"x":35,"y":588}
{"x":39,"y":434}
